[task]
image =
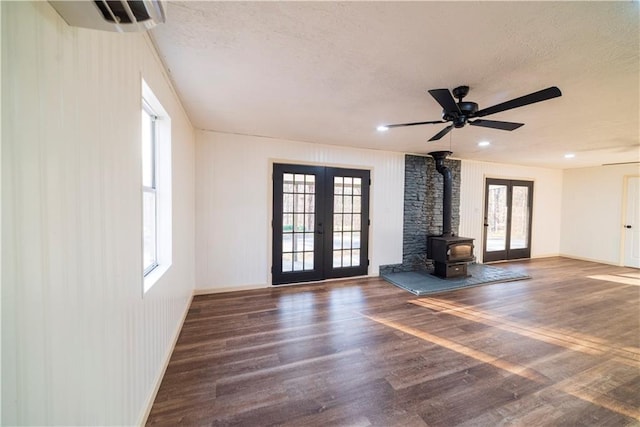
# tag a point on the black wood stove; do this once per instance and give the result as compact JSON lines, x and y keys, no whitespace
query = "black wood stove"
{"x":450,"y":253}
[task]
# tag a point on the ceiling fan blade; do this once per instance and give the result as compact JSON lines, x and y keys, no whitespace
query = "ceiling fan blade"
{"x":496,"y":124}
{"x":445,"y":99}
{"x":541,"y":95}
{"x":411,"y":124}
{"x":442,"y":133}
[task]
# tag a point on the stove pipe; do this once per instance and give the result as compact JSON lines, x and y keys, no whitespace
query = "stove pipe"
{"x":439,"y":157}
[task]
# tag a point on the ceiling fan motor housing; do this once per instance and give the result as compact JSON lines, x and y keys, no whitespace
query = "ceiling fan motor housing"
{"x":459,"y":119}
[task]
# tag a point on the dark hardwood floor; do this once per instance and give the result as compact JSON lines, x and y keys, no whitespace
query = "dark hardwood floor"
{"x":560,"y":349}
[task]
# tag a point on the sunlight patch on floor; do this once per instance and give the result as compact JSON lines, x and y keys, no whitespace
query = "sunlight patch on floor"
{"x":584,"y":344}
{"x":617,"y":279}
{"x":519,"y":370}
{"x":580,"y":386}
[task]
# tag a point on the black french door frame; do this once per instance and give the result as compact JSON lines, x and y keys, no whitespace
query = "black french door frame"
{"x":507,"y":253}
{"x":328,"y":226}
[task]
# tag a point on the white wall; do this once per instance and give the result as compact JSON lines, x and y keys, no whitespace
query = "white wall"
{"x":233,"y":204}
{"x":80,"y":344}
{"x":592,"y":216}
{"x":547,"y":202}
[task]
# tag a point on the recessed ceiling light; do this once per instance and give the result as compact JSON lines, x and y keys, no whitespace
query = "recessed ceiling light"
{"x":382,"y":128}
{"x":569,"y":156}
{"x":484,"y":144}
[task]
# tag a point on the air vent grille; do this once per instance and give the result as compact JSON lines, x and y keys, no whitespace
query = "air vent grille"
{"x":123,"y":12}
{"x":112,"y":15}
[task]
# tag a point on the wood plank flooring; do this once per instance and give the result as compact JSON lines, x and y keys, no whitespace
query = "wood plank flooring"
{"x":561,"y":349}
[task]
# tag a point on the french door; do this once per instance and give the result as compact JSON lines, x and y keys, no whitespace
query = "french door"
{"x":507,"y":219}
{"x":320,"y":223}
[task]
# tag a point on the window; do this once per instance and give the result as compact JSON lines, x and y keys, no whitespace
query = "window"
{"x":149,"y":189}
{"x":156,"y":189}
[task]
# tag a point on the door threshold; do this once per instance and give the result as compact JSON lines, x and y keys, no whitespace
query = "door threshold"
{"x":323,"y":281}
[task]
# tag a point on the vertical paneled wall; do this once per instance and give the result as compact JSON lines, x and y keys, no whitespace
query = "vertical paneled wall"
{"x":81,"y":345}
{"x":547,"y":198}
{"x":234,"y":190}
{"x":592,"y":215}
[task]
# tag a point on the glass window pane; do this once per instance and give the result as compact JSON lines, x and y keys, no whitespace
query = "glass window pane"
{"x":298,"y":203}
{"x":299,"y":183}
{"x":311,"y":183}
{"x":337,"y":222}
{"x":355,"y":258}
{"x":356,"y":223}
{"x":287,"y":262}
{"x":298,"y":261}
{"x":308,"y":260}
{"x":308,"y":241}
{"x":346,"y":222}
{"x":337,"y":259}
{"x":519,"y":217}
{"x":309,"y":222}
{"x":337,"y":240}
{"x":287,"y":203}
{"x":348,"y":204}
{"x":497,"y":218}
{"x":348,"y":185}
{"x":357,"y":202}
{"x":337,"y":185}
{"x":298,"y":242}
{"x":287,"y":222}
{"x":337,"y":203}
{"x":149,"y":230}
{"x":346,"y":240}
{"x":346,"y":258}
{"x":287,"y":183}
{"x":357,"y":185}
{"x":298,"y":222}
{"x":309,"y":203}
{"x":355,"y":241}
{"x":148,"y":152}
{"x":287,"y":242}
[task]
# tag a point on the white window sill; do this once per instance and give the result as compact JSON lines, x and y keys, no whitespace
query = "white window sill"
{"x":154,"y":275}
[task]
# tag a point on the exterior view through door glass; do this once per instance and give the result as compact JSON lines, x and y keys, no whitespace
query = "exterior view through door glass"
{"x":320,"y":223}
{"x":507,"y":223}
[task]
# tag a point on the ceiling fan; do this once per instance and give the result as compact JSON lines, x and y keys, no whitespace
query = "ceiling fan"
{"x":459,"y":113}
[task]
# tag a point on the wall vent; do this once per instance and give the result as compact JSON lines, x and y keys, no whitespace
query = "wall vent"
{"x":112,"y":15}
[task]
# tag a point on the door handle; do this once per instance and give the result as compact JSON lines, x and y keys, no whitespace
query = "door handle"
{"x":486,"y":225}
{"x":627,"y":226}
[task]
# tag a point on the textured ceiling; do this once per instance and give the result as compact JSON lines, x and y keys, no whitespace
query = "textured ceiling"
{"x":330,"y":72}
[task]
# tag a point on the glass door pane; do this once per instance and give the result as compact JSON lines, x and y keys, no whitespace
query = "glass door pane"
{"x":298,"y":221}
{"x":519,"y":217}
{"x":347,"y":220}
{"x":297,"y":225}
{"x":348,"y":217}
{"x":496,"y":229}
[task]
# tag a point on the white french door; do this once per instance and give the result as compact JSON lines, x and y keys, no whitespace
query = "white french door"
{"x":632,"y":224}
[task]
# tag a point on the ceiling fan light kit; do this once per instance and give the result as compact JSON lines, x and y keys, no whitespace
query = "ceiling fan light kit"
{"x":460,"y":113}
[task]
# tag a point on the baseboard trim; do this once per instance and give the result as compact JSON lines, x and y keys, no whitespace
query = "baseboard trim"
{"x":599,"y":261}
{"x":167,"y":358}
{"x":207,"y":291}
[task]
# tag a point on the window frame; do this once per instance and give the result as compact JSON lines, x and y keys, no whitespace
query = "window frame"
{"x":162,"y":183}
{"x":153,"y":189}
